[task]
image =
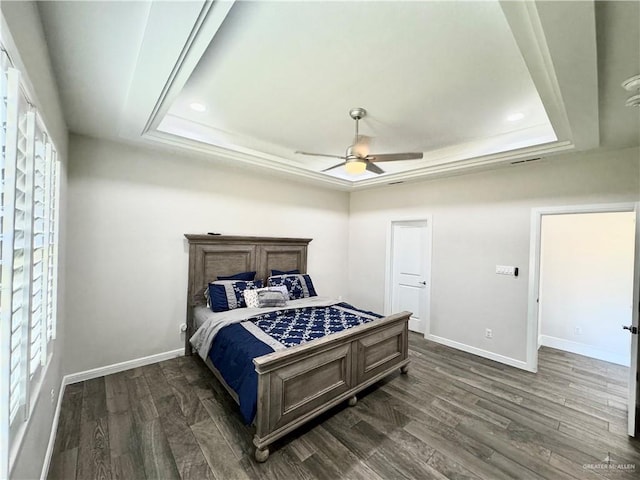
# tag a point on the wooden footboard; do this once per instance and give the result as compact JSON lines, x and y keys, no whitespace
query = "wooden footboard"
{"x":299,"y":383}
{"x":296,"y":384}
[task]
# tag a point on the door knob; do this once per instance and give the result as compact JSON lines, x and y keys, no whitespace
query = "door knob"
{"x":631,"y":328}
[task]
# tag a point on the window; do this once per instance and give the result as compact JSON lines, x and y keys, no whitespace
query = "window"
{"x":28,"y":248}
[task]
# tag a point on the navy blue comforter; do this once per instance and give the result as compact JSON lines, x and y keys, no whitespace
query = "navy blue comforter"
{"x":234,"y":347}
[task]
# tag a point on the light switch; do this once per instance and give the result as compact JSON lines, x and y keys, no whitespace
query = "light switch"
{"x":507,"y":270}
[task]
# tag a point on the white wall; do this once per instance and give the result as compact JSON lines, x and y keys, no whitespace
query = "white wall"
{"x":128,"y":211}
{"x":25,"y":28}
{"x":586,"y":283}
{"x":480,"y":221}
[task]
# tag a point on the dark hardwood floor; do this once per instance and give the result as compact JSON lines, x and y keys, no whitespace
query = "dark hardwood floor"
{"x":453,"y":416}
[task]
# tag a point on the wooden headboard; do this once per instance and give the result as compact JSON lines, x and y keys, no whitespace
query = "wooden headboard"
{"x":211,"y":256}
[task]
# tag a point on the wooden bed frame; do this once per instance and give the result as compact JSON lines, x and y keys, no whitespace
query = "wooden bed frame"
{"x":299,"y":383}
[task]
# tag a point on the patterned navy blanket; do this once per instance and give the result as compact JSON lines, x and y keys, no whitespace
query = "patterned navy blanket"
{"x":293,"y":327}
{"x":236,"y":345}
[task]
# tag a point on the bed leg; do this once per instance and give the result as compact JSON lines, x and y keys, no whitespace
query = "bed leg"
{"x":352,"y":401}
{"x":404,"y":369}
{"x":262,"y":454}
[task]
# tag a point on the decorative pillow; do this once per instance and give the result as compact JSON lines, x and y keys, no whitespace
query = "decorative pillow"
{"x":227,"y":294}
{"x":271,"y":298}
{"x":253,"y":298}
{"x":284,"y":272}
{"x":299,"y":286}
{"x":244,"y":276}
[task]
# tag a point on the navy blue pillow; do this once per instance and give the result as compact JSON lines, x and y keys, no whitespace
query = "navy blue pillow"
{"x":227,"y":294}
{"x":244,"y":276}
{"x":285,"y":272}
{"x":299,"y":286}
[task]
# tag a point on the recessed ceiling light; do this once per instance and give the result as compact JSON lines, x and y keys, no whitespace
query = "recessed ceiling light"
{"x":198,"y":107}
{"x":514,"y":117}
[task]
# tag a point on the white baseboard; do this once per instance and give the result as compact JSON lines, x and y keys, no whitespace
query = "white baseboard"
{"x":95,"y":373}
{"x":584,"y":349}
{"x":480,"y":352}
{"x":54,"y":431}
{"x":122,"y":366}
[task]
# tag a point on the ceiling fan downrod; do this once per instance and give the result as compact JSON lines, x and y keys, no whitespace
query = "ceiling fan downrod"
{"x":357,"y":113}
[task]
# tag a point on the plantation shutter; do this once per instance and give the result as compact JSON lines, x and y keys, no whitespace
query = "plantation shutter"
{"x":16,"y":246}
{"x":51,"y":240}
{"x":5,"y":317}
{"x":39,"y":264}
{"x":29,"y":186}
{"x":18,"y":124}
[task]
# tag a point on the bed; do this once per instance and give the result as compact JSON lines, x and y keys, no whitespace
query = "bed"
{"x":296,"y":384}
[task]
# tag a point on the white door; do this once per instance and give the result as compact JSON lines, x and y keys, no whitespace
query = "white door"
{"x":410,"y":268}
{"x":634,"y":387}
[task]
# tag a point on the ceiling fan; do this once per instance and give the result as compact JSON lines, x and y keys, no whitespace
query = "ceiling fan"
{"x":358,"y":158}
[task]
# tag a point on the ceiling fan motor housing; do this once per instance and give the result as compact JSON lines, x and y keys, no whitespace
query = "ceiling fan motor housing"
{"x":353,"y":153}
{"x":357,"y":113}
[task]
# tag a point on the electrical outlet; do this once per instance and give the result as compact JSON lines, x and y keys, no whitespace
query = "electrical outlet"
{"x":578,"y":331}
{"x":53,"y":395}
{"x":488,"y":333}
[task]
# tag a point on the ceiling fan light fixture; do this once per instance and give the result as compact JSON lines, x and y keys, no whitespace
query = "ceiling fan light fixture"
{"x":357,"y":158}
{"x":355,"y":167}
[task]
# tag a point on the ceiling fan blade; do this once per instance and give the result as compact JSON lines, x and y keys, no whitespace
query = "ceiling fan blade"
{"x":335,"y":166}
{"x":390,"y":157}
{"x":374,"y":168}
{"x":320,"y":155}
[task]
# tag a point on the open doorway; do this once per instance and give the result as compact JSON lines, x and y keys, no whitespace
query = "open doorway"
{"x":586,"y":284}
{"x":631,"y":408}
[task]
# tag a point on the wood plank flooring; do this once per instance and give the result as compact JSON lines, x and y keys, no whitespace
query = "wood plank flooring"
{"x":453,"y":416}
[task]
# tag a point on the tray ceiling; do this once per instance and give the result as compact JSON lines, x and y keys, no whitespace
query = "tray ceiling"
{"x":470,"y":84}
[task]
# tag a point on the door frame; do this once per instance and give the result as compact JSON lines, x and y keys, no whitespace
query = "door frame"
{"x":388,"y":283}
{"x":534,"y":276}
